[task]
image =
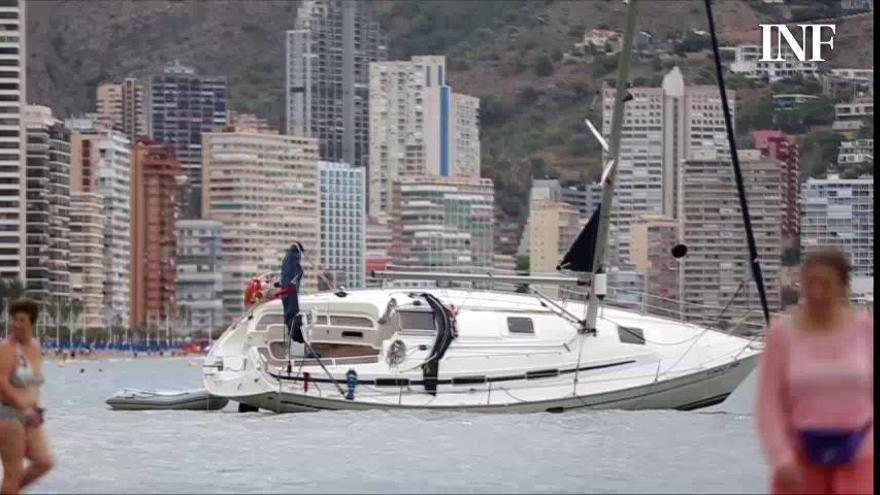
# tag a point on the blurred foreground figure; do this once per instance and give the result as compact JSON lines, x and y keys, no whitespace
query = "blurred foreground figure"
{"x":815,"y":387}
{"x":21,"y":419}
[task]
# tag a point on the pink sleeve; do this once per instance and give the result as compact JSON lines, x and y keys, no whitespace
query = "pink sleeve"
{"x":772,"y":411}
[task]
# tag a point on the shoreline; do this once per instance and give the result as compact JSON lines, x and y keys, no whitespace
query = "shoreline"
{"x":118,"y":356}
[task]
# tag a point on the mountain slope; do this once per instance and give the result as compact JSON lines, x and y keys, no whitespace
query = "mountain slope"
{"x":532,"y":116}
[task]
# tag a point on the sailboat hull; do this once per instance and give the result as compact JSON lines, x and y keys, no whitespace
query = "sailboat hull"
{"x":689,"y":392}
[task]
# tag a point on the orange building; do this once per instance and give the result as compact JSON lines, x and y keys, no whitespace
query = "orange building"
{"x":154,"y":171}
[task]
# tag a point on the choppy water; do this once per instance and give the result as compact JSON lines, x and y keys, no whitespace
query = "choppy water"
{"x":98,"y":450}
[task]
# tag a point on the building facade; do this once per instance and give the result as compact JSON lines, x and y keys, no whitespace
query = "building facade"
{"x":249,"y":122}
{"x":452,"y":133}
{"x":418,"y":126}
{"x":327,"y":77}
{"x":747,"y":62}
{"x":397,"y":116}
{"x":100,"y":163}
{"x":87,"y":257}
{"x":859,"y":152}
{"x":850,"y":117}
{"x":378,"y":238}
{"x":47,"y":275}
{"x":442,"y":222}
{"x":716,"y":270}
{"x":662,"y":127}
{"x":553,"y":228}
{"x":122,"y":107}
{"x":840,"y":212}
{"x":343,"y":212}
{"x":652,"y":238}
{"x":13,"y":146}
{"x":782,"y":148}
{"x":183,"y":105}
{"x":154,"y":171}
{"x":200,"y":276}
{"x":264,"y":190}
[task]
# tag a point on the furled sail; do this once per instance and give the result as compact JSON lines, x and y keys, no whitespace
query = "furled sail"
{"x":580,"y":255}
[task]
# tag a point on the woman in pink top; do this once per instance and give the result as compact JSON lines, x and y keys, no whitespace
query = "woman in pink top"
{"x":815,"y":404}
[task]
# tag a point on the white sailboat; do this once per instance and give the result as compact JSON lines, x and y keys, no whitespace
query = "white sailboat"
{"x":479,"y":350}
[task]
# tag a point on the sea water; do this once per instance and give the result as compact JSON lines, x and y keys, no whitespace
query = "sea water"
{"x":99,"y":450}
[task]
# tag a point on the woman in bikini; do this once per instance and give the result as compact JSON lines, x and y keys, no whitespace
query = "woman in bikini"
{"x":21,"y":419}
{"x":815,"y":402}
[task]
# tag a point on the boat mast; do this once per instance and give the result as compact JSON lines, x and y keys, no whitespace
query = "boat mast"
{"x":610,"y":172}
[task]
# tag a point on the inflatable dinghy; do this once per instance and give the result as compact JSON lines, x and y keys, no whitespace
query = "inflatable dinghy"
{"x":187,"y":400}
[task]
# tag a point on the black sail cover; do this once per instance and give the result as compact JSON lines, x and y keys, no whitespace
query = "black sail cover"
{"x":579,"y":257}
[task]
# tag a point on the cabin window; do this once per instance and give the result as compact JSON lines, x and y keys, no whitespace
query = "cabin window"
{"x":351,"y":321}
{"x":631,"y":335}
{"x":269,"y":319}
{"x":516,"y":324}
{"x":416,"y":320}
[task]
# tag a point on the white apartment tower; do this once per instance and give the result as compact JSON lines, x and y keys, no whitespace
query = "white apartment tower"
{"x":662,"y":128}
{"x":87,"y":256}
{"x":264,"y":190}
{"x":343,"y":211}
{"x":839,"y":212}
{"x":13,"y":145}
{"x":418,"y":126}
{"x":100,"y":163}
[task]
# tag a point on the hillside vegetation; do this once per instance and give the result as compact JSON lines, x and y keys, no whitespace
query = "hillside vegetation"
{"x":513,"y":54}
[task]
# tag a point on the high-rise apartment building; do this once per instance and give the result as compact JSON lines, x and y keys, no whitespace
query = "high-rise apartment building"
{"x":200,"y":275}
{"x":782,"y":148}
{"x":452,"y":133}
{"x":442,"y":222}
{"x":13,"y":149}
{"x":48,"y":206}
{"x":100,"y":163}
{"x":264,"y":190}
{"x":582,"y":197}
{"x":716,"y":270}
{"x":553,"y":227}
{"x":662,"y":127}
{"x":327,"y":85}
{"x":184,"y":105}
{"x":343,"y":208}
{"x":87,"y":257}
{"x":249,"y":122}
{"x":122,"y":107}
{"x":418,"y":126}
{"x":840,"y":212}
{"x":154,"y":170}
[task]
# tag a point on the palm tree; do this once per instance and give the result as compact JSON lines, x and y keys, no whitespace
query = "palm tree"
{"x":77,"y":307}
{"x":185,"y":315}
{"x":10,"y":290}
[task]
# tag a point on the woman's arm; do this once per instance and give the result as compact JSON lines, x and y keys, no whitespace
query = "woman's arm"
{"x":772,"y":411}
{"x":9,"y":394}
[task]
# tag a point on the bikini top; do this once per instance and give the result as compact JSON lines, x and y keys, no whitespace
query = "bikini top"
{"x":23,"y":376}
